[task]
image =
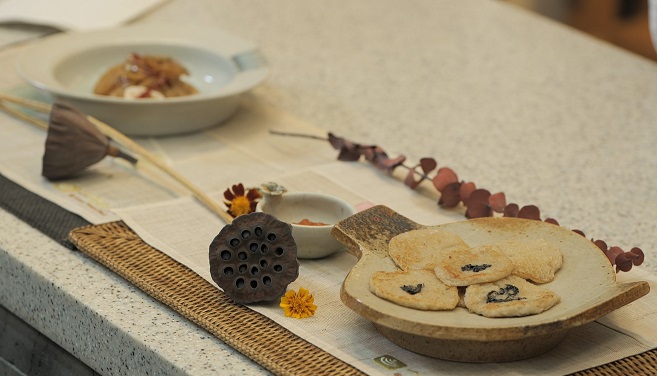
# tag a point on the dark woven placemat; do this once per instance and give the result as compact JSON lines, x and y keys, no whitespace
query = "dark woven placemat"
{"x":117,"y":247}
{"x":45,"y":216}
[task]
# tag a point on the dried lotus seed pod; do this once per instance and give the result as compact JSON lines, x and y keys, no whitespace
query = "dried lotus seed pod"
{"x":254,"y":258}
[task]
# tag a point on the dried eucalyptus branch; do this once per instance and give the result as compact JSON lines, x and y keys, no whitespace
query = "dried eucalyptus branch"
{"x":478,"y":202}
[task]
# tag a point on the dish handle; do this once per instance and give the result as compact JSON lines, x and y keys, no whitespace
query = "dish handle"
{"x":249,"y":60}
{"x":372,"y":229}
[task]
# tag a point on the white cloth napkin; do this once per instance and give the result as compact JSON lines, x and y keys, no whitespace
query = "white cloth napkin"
{"x":76,"y":15}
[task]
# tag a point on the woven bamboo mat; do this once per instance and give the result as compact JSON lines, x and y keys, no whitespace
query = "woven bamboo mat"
{"x":118,"y":248}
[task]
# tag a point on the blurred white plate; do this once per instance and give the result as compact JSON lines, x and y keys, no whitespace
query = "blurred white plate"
{"x":221,"y":66}
{"x":66,"y":14}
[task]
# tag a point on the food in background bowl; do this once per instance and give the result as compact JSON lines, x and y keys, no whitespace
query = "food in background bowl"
{"x":145,"y":76}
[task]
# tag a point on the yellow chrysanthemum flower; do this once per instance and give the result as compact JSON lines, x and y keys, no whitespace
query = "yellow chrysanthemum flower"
{"x":299,"y":305}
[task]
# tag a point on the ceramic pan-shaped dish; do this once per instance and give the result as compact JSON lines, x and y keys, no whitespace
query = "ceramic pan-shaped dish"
{"x":586,"y":284}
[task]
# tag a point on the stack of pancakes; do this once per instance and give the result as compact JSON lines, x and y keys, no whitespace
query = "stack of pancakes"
{"x":440,"y":271}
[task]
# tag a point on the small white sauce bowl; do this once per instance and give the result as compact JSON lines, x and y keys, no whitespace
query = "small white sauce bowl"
{"x":312,"y":241}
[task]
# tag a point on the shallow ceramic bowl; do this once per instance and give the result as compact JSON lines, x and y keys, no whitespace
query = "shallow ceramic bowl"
{"x":313,"y":241}
{"x":586,"y":284}
{"x":222,"y":66}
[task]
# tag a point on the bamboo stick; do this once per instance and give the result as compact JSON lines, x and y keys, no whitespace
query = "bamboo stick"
{"x":23,"y":116}
{"x":122,"y":140}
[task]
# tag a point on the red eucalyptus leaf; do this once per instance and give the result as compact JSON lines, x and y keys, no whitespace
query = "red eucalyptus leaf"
{"x":367,"y":152}
{"x":348,"y":150}
{"x":639,"y":256}
{"x":410,"y":180}
{"x":477,"y":204}
{"x":552,"y":221}
{"x":335,"y":141}
{"x":348,"y":155}
{"x":478,"y":196}
{"x":449,"y":196}
{"x":444,"y":177}
{"x":428,"y":164}
{"x":580,"y":232}
{"x":511,"y":210}
{"x":530,"y":212}
{"x":478,"y":211}
{"x":613,"y":253}
{"x":497,"y":202}
{"x":601,"y":244}
{"x":623,"y":263}
{"x":466,"y":190}
{"x":389,"y":164}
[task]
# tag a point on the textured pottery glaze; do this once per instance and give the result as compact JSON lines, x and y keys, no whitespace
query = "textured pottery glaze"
{"x":586,"y":284}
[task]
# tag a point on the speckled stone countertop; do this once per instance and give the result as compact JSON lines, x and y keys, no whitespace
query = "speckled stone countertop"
{"x":509,"y":100}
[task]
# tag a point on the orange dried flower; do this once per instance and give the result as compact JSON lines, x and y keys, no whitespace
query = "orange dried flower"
{"x":299,"y":305}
